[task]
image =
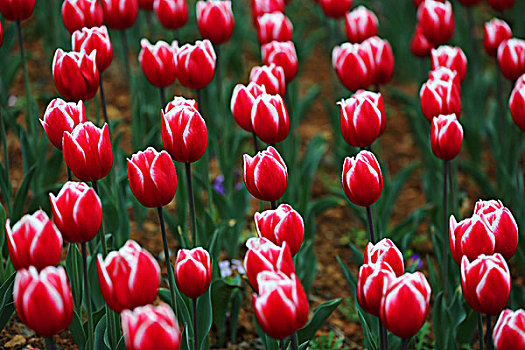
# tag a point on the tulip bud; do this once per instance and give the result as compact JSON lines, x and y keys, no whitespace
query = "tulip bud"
{"x":265,"y":175}
{"x":215,"y":20}
{"x":501,"y":5}
{"x":271,"y":77}
{"x":43,"y":300}
{"x":419,"y":44}
{"x":17,"y":10}
{"x":335,"y":8}
{"x":196,"y":64}
{"x":383,"y":59}
{"x":146,"y":5}
{"x":193,"y":272}
{"x":446,"y":136}
{"x":509,"y":331}
{"x":87,"y":151}
{"x":128,"y":277}
{"x":353,"y":64}
{"x":281,"y":54}
{"x":372,"y":280}
{"x":173,"y":14}
{"x":150,"y":327}
{"x":281,"y":225}
{"x":470,"y":237}
{"x":77,"y":212}
{"x":120,"y":14}
{"x":486,"y":283}
{"x":242,"y":102}
{"x":180,"y":101}
{"x":445,"y":74}
{"x":517,"y":105}
{"x":158,"y":62}
{"x":261,"y":7}
{"x":450,"y":57}
{"x":362,"y":179}
{"x":511,"y":58}
{"x":496,"y":30}
{"x":274,"y":27}
{"x":405,"y":304}
{"x":360,"y":24}
{"x":440,"y":97}
{"x":61,"y":116}
{"x":33,"y":241}
{"x":436,"y":20}
{"x":362,"y":118}
{"x":91,"y":39}
{"x":75,"y":75}
{"x":281,"y":307}
{"x":78,"y":14}
{"x":270,"y":119}
{"x":385,"y":251}
{"x":184,"y":133}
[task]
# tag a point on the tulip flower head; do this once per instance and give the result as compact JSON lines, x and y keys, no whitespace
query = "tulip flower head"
{"x":242,"y":102}
{"x":78,"y":14}
{"x":419,"y":44}
{"x":385,"y":251}
{"x":360,"y":24}
{"x":120,"y":14}
{"x":362,"y":179}
{"x":180,"y":101}
{"x":281,"y":54}
{"x":335,"y":8}
{"x":511,"y":58}
{"x":272,"y":77}
{"x":380,"y":52}
{"x":509,"y":331}
{"x":17,"y":10}
{"x":75,"y":74}
{"x":372,"y":280}
{"x":172,"y":14}
{"x":265,"y":175}
{"x":96,"y":38}
{"x":517,"y":104}
{"x":193,"y":272}
{"x":436,"y":20}
{"x":446,"y":136}
{"x":274,"y":26}
{"x":354,"y":65}
{"x":196,"y":64}
{"x":451,"y":57}
{"x":471,"y":238}
{"x":261,"y":7}
{"x":440,"y":97}
{"x":215,"y":20}
{"x":146,"y":5}
{"x":495,"y":31}
{"x":269,"y":118}
{"x":445,"y":74}
{"x":158,"y":62}
{"x":62,"y":116}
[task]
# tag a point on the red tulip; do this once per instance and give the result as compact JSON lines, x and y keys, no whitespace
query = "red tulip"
{"x":33,"y":241}
{"x":158,"y":62}
{"x":96,"y":38}
{"x":517,"y":105}
{"x":450,"y":57}
{"x":150,"y":328}
{"x":486,"y":283}
{"x":120,"y":14}
{"x":173,"y":14}
{"x":446,"y":136}
{"x":43,"y":300}
{"x":17,"y":10}
{"x":61,"y":116}
{"x":184,"y":133}
{"x":78,"y":14}
{"x":265,"y":175}
{"x":180,"y":101}
{"x":152,"y":177}
{"x":419,"y":44}
{"x":261,"y":7}
{"x":383,"y":59}
{"x":270,"y":119}
{"x":271,"y":77}
{"x":242,"y":102}
{"x":215,"y":20}
{"x":281,"y":54}
{"x":128,"y":277}
{"x":335,"y":8}
{"x":509,"y":331}
{"x":436,"y":20}
{"x":440,"y":97}
{"x":445,"y":74}
{"x":372,"y":280}
{"x":77,"y":212}
{"x":385,"y":251}
{"x":360,"y":24}
{"x":362,"y":179}
{"x":274,"y":26}
{"x":511,"y":58}
{"x":501,"y":5}
{"x":193,"y":272}
{"x":471,"y":238}
{"x":87,"y":151}
{"x":281,"y":307}
{"x":281,"y":225}
{"x":405,"y":304}
{"x":196,"y":64}
{"x":146,"y":5}
{"x":362,"y":118}
{"x":353,"y":64}
{"x":496,"y":30}
{"x":75,"y":75}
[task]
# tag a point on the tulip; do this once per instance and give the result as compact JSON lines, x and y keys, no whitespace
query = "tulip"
{"x":261,"y":7}
{"x":269,"y":118}
{"x":405,"y":304}
{"x":470,"y":237}
{"x":446,"y":136}
{"x":97,"y":38}
{"x":486,"y":283}
{"x":362,"y":179}
{"x":517,"y":106}
{"x":43,"y":300}
{"x":146,"y":5}
{"x":496,"y":30}
{"x":335,"y":8}
{"x":362,"y":118}
{"x":172,"y":14}
{"x":436,"y":21}
{"x":265,"y":175}
{"x":61,"y":116}
{"x":372,"y":280}
{"x":445,"y":74}
{"x":184,"y":133}
{"x":196,"y":64}
{"x":158,"y":62}
{"x":281,"y":54}
{"x":17,"y":10}
{"x":281,"y":307}
{"x":120,"y":14}
{"x":419,"y":44}
{"x":450,"y":57}
{"x":383,"y":59}
{"x":509,"y":332}
{"x":511,"y":58}
{"x":128,"y":277}
{"x":385,"y":251}
{"x":283,"y":224}
{"x":151,"y":327}
{"x":77,"y":212}
{"x":78,"y":14}
{"x":271,"y":76}
{"x":501,"y":5}
{"x":354,"y":66}
{"x":242,"y":102}
{"x":215,"y":20}
{"x":180,"y":101}
{"x":87,"y":151}
{"x":75,"y":75}
{"x":33,"y":241}
{"x":440,"y":97}
{"x":360,"y":24}
{"x":274,"y":26}
{"x":193,"y":272}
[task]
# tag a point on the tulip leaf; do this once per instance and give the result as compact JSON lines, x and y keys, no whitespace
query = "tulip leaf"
{"x":21,"y":196}
{"x":220,"y":294}
{"x":100,"y":331}
{"x":75,"y":274}
{"x":442,"y":324}
{"x":321,"y":314}
{"x":77,"y":331}
{"x":204,"y":310}
{"x":349,"y":277}
{"x":7,"y":308}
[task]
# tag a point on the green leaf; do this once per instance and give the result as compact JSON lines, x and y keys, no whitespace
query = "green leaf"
{"x":77,"y":331}
{"x":100,"y":331}
{"x":370,"y":339}
{"x":321,"y":314}
{"x":349,"y":277}
{"x":7,"y":308}
{"x":204,"y":321}
{"x":75,"y":274}
{"x":21,"y":196}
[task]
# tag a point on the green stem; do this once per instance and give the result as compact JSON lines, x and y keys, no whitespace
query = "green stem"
{"x":191,"y":204}
{"x":69,"y":174}
{"x":195,"y":323}
{"x":50,"y":343}
{"x":445,"y":231}
{"x":371,"y":224}
{"x":218,"y":79}
{"x":273,"y":205}
{"x":480,"y":332}
{"x":405,"y":343}
{"x":88,"y":297}
{"x":294,"y":341}
{"x":383,"y":336}
{"x":255,"y":142}
{"x":162,"y":97}
{"x":102,"y":233}
{"x":490,"y":346}
{"x":169,"y":268}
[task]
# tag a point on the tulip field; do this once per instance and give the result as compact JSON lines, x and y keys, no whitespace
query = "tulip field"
{"x":264,"y":174}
